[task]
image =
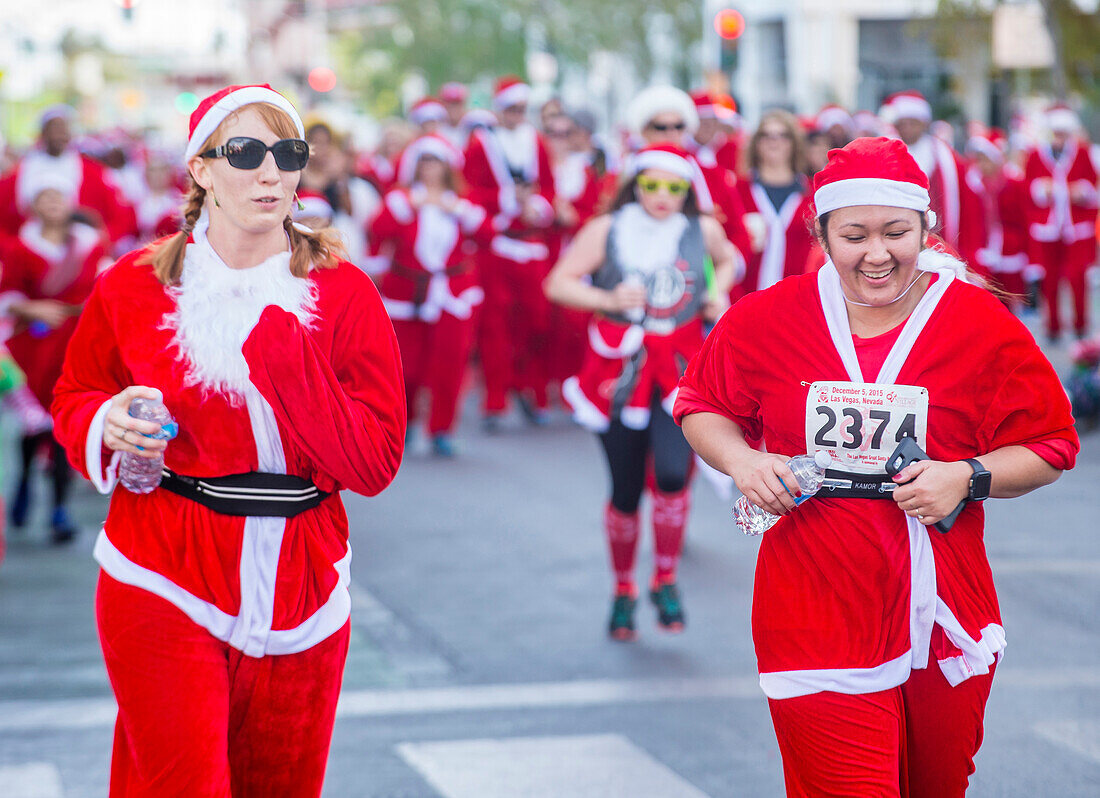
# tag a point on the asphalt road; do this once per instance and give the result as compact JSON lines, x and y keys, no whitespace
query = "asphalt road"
{"x":480,"y":666}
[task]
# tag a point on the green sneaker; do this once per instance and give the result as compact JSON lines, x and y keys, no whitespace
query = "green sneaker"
{"x":621,"y":625}
{"x":670,"y":613}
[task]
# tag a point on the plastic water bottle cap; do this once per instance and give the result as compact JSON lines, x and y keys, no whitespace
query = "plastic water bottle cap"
{"x":823,"y":459}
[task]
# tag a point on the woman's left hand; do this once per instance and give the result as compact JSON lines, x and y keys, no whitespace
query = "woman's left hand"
{"x":930,"y":490}
{"x":715,"y":306}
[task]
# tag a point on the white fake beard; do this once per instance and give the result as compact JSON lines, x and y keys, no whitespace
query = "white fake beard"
{"x":216,"y":309}
{"x":644,"y":244}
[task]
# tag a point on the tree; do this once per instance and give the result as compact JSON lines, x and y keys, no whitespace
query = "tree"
{"x":469,"y":39}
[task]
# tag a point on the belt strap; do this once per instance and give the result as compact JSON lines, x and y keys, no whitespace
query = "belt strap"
{"x":251,"y":494}
{"x":846,"y":485}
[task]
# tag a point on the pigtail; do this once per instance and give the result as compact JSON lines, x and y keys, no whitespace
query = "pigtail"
{"x":322,"y":248}
{"x":166,"y":257}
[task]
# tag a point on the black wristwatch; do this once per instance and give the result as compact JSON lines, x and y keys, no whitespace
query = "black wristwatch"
{"x":980,"y":482}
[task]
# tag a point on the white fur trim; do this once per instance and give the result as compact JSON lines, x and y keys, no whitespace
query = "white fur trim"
{"x":665,"y":161}
{"x":907,"y":107}
{"x":985,"y":147}
{"x":516,"y":94}
{"x":661,"y":99}
{"x":426,"y":145}
{"x":584,"y":412}
{"x":234,"y":102}
{"x":850,"y":681}
{"x":1062,"y":120}
{"x":774,"y":256}
{"x":428,"y":112}
{"x":67,"y":167}
{"x":399,"y":207}
{"x":835,"y":116}
{"x":634,"y":417}
{"x":644,"y":244}
{"x":104,"y":479}
{"x":376,"y":264}
{"x":517,"y":250}
{"x":314,"y":208}
{"x":870,"y":191}
{"x":631,"y":341}
{"x":217,"y":307}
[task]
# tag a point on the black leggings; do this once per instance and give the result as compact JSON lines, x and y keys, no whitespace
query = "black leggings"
{"x":627,"y":451}
{"x":61,"y":472}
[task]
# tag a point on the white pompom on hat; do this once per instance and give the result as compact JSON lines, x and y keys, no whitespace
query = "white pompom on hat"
{"x":658,"y":100}
{"x":218,"y":106}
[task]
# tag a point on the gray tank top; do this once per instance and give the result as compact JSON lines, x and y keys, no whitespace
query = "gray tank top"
{"x":675,"y":291}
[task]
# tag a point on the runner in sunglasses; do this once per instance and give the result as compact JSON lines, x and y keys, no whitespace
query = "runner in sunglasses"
{"x":223,"y":614}
{"x":641,"y":268}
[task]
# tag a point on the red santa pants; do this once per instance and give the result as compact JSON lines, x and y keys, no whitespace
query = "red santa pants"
{"x":1064,"y":262}
{"x":434,"y":356}
{"x":514,"y":334}
{"x":914,"y":741}
{"x":198,"y":718}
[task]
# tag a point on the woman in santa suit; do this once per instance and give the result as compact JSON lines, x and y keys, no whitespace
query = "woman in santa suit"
{"x":778,"y":204}
{"x":426,"y":234}
{"x":223,"y":599}
{"x":49,"y":270}
{"x":876,"y":634}
{"x":641,"y":268}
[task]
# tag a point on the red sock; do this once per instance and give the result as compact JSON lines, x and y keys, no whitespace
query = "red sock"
{"x":622,"y":539}
{"x":670,"y":512}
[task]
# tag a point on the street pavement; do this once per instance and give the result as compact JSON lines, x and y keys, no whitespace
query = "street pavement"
{"x":479,"y":663}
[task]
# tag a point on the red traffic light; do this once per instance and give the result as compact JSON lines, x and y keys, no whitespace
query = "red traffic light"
{"x":729,"y":24}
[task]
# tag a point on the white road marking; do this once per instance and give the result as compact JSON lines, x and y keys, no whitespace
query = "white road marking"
{"x":32,"y":780}
{"x":1080,"y":736}
{"x":87,"y":713}
{"x":591,"y":766}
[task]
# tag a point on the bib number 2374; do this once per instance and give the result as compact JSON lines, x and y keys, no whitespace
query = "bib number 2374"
{"x":860,"y":424}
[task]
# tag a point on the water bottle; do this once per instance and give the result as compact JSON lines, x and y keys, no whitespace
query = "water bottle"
{"x":142,"y":474}
{"x":808,"y":469}
{"x":634,"y":315}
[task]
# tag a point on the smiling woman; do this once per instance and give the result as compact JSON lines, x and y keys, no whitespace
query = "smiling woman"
{"x":877,"y":638}
{"x":230,"y":580}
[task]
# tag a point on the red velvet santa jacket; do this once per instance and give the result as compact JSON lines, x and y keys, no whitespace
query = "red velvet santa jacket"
{"x":958,"y":209}
{"x":264,"y":372}
{"x":428,"y":252}
{"x":1052,"y":214}
{"x":851,"y":594}
{"x":34,"y":269}
{"x":1004,"y":202}
{"x":788,"y":241}
{"x":96,"y":196}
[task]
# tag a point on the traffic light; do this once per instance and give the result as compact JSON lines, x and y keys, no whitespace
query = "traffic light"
{"x":729,"y":24}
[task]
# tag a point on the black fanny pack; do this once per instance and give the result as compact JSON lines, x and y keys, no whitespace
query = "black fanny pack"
{"x":251,"y":494}
{"x":846,"y":485}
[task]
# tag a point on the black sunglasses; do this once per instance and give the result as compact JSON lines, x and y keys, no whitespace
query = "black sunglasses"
{"x":660,"y":128}
{"x":242,"y":152}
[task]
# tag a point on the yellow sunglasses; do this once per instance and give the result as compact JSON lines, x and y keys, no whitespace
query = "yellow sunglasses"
{"x":651,"y":185}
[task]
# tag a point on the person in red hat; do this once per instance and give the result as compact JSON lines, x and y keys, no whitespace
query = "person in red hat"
{"x":1000,"y":186}
{"x":509,"y":173}
{"x":49,"y":271}
{"x":666,"y":115}
{"x":454,"y":96}
{"x":955,"y":204}
{"x":837,"y":124}
{"x":877,"y":634}
{"x":642,"y":270}
{"x":1060,"y":178}
{"x":712,"y":143}
{"x":778,"y":203}
{"x":426,"y":234}
{"x":429,"y":115}
{"x":103,"y":206}
{"x":223,"y":601}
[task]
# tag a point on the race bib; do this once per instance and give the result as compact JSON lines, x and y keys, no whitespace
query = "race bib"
{"x":860,"y":423}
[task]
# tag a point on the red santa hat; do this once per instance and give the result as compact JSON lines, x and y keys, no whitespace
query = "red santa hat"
{"x":659,"y":100}
{"x":1060,"y":118}
{"x":908,"y":105}
{"x":831,"y":115}
{"x":453,"y":92}
{"x":871,"y":171}
{"x":990,"y":143}
{"x":313,"y":205}
{"x":705,"y":106}
{"x":433,"y":145}
{"x":670,"y":158}
{"x":510,"y":90}
{"x":218,"y":106}
{"x":427,"y":109}
{"x":725,"y":108}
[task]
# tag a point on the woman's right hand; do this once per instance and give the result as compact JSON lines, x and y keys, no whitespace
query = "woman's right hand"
{"x":48,"y":311}
{"x":758,"y":474}
{"x":123,"y":433}
{"x":626,"y":296}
